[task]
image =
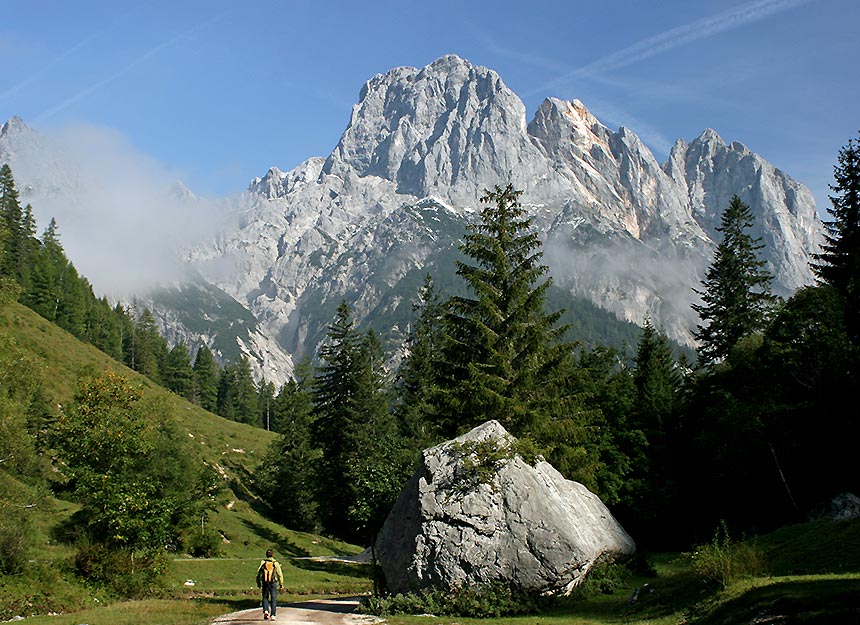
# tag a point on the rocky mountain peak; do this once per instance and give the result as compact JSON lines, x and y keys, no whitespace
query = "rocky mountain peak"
{"x":709,"y":136}
{"x":14,"y":125}
{"x":629,"y":234}
{"x":270,"y":185}
{"x":557,"y":119}
{"x":448,"y":129}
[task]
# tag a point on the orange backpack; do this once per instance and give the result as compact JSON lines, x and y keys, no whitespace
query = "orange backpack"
{"x":269,"y":575}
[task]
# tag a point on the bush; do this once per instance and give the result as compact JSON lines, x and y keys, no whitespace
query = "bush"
{"x":205,"y":544}
{"x":15,"y":536}
{"x":477,"y":601}
{"x":39,"y":588}
{"x":604,"y":578}
{"x":16,"y":524}
{"x":724,"y":561}
{"x":123,"y":572}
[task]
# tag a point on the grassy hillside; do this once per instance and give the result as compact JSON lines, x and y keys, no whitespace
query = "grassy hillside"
{"x":233,"y":449}
{"x":811,"y":572}
{"x":63,"y":359}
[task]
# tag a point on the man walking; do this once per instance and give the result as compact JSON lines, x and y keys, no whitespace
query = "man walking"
{"x":270,"y":579}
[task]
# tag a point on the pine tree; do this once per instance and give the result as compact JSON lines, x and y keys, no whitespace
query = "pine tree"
{"x":377,"y":461}
{"x":293,"y":405}
{"x":42,"y":293}
{"x":73,"y":292}
{"x":103,"y":328}
{"x":178,"y":374}
{"x":839,"y":260}
{"x":237,"y":393}
{"x":656,"y":376}
{"x":285,"y":477}
{"x":12,"y":216}
{"x":415,"y":409}
{"x":360,"y":470}
{"x":265,"y":404}
{"x":651,"y":427}
{"x":334,"y":386}
{"x":246,"y":393}
{"x":8,"y":287}
{"x":736,"y":296}
{"x":29,"y":247}
{"x":150,"y":348}
{"x":126,"y":334}
{"x":206,"y":379}
{"x":503,"y":353}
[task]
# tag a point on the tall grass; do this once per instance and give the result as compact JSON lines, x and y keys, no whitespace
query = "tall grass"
{"x":724,"y":561}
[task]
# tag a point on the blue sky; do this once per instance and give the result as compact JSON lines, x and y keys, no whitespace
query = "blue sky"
{"x":219,"y":91}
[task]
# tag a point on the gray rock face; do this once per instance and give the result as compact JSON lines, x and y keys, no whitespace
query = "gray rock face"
{"x":368,"y":221}
{"x":631,"y":234}
{"x":845,"y":506}
{"x":528,"y":527}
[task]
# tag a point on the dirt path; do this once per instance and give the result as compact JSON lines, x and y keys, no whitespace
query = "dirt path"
{"x":319,"y":612}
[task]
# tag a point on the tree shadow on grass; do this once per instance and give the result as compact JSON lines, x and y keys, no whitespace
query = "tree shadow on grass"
{"x":69,"y":531}
{"x":810,"y":602}
{"x":347,"y":569}
{"x":234,"y":604}
{"x":279,"y":542}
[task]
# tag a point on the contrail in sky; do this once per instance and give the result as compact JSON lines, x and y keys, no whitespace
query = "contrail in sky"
{"x":60,"y":57}
{"x":148,"y":54}
{"x":670,"y":39}
{"x":688,"y":33}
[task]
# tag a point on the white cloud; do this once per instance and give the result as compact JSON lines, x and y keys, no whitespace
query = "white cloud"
{"x":123,"y":217}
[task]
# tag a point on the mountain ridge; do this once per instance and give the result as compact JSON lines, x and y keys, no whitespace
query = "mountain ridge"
{"x":631,"y":234}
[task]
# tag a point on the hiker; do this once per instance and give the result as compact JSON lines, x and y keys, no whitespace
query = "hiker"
{"x":270,"y":579}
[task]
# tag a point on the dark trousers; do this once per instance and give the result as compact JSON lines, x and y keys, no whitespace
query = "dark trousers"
{"x":270,"y":597}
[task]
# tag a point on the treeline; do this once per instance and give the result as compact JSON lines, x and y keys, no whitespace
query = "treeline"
{"x":757,"y":432}
{"x":47,"y":282}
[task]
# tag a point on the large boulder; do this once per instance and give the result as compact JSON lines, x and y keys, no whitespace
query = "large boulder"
{"x":475,"y":513}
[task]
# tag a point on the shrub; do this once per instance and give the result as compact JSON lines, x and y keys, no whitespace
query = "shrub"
{"x":123,"y":572}
{"x":15,"y":536}
{"x":476,"y":601}
{"x":16,"y":524}
{"x":604,"y":578}
{"x":723,"y":561}
{"x":204,"y":544}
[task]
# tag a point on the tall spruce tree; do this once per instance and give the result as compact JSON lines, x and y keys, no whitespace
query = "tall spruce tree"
{"x":237,"y":393}
{"x":205,"y":379}
{"x":736,"y":295}
{"x":13,"y":218}
{"x":839,"y":261}
{"x":652,"y":426}
{"x":103,"y":328}
{"x":8,"y":287}
{"x":178,"y":375}
{"x":265,"y":404}
{"x":285,"y":478}
{"x":378,"y":463}
{"x":357,"y":473}
{"x":334,"y":386}
{"x":149,"y":352}
{"x":656,"y":376}
{"x":503,"y":352}
{"x":415,"y":409}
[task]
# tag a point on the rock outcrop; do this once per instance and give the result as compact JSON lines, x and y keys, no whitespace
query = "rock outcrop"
{"x":527,"y":526}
